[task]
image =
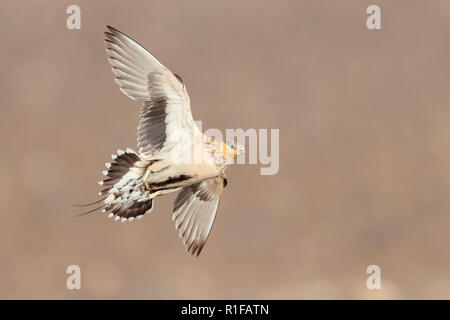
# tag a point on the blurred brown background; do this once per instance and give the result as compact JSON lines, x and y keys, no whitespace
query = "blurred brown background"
{"x":364,"y":158}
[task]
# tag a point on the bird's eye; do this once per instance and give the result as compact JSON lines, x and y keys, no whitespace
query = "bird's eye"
{"x":232,"y":146}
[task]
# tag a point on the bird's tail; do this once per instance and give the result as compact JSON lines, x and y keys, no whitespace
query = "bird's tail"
{"x":124,"y":194}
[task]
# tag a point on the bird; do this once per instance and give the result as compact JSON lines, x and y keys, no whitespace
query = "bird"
{"x":173,"y":154}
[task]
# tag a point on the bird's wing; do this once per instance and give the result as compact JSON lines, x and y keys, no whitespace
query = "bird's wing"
{"x":194,"y":211}
{"x":166,"y":117}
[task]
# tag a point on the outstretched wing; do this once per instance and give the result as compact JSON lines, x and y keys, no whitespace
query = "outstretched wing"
{"x":194,"y":211}
{"x":166,"y":117}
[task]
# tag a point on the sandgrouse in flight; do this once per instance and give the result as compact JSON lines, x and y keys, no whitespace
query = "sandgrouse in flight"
{"x":173,"y":154}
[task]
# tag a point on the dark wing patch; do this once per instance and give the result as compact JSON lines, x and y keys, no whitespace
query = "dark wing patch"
{"x":152,"y":127}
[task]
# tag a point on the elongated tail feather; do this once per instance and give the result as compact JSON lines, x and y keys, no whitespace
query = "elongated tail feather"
{"x":88,"y":204}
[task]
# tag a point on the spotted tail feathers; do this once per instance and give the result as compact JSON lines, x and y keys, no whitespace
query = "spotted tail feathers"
{"x":125,"y":197}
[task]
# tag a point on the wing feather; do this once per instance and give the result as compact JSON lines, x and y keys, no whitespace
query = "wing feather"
{"x":195,"y":210}
{"x":165,"y":118}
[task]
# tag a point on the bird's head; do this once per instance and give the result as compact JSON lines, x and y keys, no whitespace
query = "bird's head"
{"x":233,"y":150}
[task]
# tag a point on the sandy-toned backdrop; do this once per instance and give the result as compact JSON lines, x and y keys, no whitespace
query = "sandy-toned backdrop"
{"x":364,"y":149}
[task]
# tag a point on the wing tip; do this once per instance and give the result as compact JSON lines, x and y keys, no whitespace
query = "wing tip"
{"x":111,"y":29}
{"x":196,"y":249}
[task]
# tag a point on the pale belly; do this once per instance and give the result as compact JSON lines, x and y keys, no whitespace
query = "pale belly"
{"x":180,"y":166}
{"x":167,"y":175}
